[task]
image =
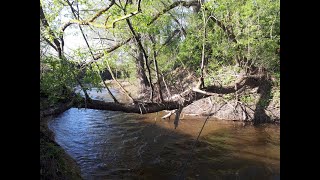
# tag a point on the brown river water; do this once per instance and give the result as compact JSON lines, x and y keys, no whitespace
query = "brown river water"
{"x":117,"y":145}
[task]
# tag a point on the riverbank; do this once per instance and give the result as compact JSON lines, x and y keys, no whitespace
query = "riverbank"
{"x":259,"y":102}
{"x":55,"y":163}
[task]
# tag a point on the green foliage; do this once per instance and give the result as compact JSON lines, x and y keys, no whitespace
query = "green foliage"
{"x":247,"y":99}
{"x":255,"y":25}
{"x":276,"y":97}
{"x":190,"y":51}
{"x":54,"y":78}
{"x":53,"y":162}
{"x":223,"y":75}
{"x":228,"y":97}
{"x":264,"y":102}
{"x":276,"y":77}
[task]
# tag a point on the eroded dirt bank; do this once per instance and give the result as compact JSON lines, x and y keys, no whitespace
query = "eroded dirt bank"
{"x":260,"y":102}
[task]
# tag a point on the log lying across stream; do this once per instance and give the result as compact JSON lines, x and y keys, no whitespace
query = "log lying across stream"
{"x":184,"y":99}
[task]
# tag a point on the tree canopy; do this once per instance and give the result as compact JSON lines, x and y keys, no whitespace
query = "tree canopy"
{"x":146,"y":40}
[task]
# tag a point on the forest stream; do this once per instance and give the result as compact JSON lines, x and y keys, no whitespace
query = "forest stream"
{"x":117,"y":145}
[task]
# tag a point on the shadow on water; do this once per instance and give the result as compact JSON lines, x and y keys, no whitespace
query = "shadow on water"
{"x":116,"y":145}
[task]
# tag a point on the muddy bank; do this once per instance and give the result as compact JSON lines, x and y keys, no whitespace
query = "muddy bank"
{"x":230,"y":110}
{"x":55,"y":163}
{"x":249,"y":102}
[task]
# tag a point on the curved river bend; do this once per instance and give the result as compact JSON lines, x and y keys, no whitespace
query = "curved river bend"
{"x":116,"y":145}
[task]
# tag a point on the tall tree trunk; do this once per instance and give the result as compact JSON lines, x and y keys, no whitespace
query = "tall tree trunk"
{"x":156,"y":67}
{"x":141,"y":75}
{"x":265,"y":87}
{"x":141,"y":49}
{"x":203,"y":48}
{"x":139,"y":43}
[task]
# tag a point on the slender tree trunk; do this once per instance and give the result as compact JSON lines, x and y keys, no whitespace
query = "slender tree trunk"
{"x":114,"y":78}
{"x":165,"y":84}
{"x":264,"y":90}
{"x":138,"y":40}
{"x":156,"y":66}
{"x":110,"y":93}
{"x":99,"y":73}
{"x":203,"y":48}
{"x":84,"y":37}
{"x":141,"y":75}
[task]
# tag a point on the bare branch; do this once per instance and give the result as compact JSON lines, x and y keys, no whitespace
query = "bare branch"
{"x":86,"y":10}
{"x":90,"y":20}
{"x":224,"y":28}
{"x":47,"y":27}
{"x":105,"y":39}
{"x":121,"y":87}
{"x":169,"y":114}
{"x":84,"y":37}
{"x":202,"y":92}
{"x":124,"y":17}
{"x":125,"y":6}
{"x":101,"y":11}
{"x":105,"y":26}
{"x":109,"y":50}
{"x":176,"y":20}
{"x":173,"y":5}
{"x":60,"y":52}
{"x":120,"y":4}
{"x":174,"y":33}
{"x":52,"y":45}
{"x":84,"y":22}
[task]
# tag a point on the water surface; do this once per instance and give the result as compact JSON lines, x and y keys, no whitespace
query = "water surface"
{"x":117,"y":145}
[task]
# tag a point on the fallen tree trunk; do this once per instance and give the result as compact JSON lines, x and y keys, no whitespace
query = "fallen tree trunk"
{"x":181,"y":100}
{"x":56,"y":110}
{"x":138,"y":107}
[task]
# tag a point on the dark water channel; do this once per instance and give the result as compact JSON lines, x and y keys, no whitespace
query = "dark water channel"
{"x":116,"y":145}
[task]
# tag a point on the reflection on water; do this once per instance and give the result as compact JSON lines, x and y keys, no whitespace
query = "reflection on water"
{"x":116,"y":145}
